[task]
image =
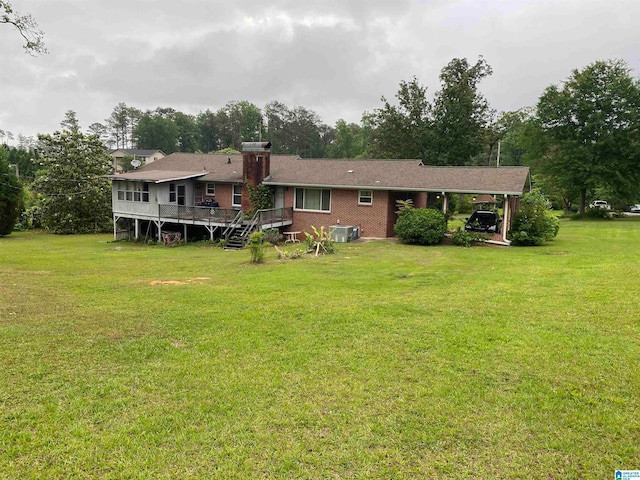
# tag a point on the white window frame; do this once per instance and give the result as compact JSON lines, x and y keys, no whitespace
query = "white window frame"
{"x":301,"y":193}
{"x":210,"y":189}
{"x":173,"y":193}
{"x":235,"y":195}
{"x":133,"y":192}
{"x":365,"y":197}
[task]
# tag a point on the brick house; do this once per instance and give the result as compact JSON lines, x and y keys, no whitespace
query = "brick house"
{"x":306,"y":192}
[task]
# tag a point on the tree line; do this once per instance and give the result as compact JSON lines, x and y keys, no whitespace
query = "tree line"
{"x":581,"y":139}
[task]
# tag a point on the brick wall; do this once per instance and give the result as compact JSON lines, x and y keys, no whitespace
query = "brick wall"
{"x":223,"y":195}
{"x":373,"y":219}
{"x":255,"y":168}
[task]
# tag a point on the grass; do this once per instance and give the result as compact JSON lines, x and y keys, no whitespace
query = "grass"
{"x":382,"y":361}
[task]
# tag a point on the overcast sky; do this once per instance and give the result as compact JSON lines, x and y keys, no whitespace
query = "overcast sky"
{"x":336,"y":57}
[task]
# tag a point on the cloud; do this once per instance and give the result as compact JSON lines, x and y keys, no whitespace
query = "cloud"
{"x":334,"y":57}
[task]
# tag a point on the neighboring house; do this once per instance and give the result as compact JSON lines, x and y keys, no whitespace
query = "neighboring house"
{"x":320,"y":192}
{"x":144,"y":156}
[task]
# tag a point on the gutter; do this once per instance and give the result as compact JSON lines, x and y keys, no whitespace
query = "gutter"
{"x":386,"y":188}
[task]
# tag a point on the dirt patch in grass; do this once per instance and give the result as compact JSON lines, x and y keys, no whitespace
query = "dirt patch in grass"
{"x":197,"y":280}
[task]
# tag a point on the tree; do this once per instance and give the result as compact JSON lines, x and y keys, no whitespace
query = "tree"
{"x":348,"y":141}
{"x":460,"y":113}
{"x":156,"y":132}
{"x":589,"y":131}
{"x":26,"y":26}
{"x":404,"y":130}
{"x":447,"y":132}
{"x":239,"y":122}
{"x":75,"y":198}
{"x":304,"y":133}
{"x":100,"y":131}
{"x":25,"y":162}
{"x":277,"y":116}
{"x":70,"y":122}
{"x":121,"y":125}
{"x":187,"y":131}
{"x":501,"y":138}
{"x":208,"y":131}
{"x":11,"y":194}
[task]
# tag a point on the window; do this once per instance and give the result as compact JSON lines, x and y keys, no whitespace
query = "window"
{"x":133,"y":191}
{"x":236,"y":199}
{"x":182,"y":194}
{"x":211,"y":189}
{"x":172,"y":193}
{"x":365,"y":197}
{"x":313,"y":199}
{"x":137,"y":190}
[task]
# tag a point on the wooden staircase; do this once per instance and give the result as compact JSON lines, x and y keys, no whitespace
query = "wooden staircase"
{"x":235,"y":240}
{"x":236,"y":235}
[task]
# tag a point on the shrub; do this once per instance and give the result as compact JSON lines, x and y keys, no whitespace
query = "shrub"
{"x":273,"y":236}
{"x":464,"y":238}
{"x":256,"y":247}
{"x":598,"y":213}
{"x":533,"y":224}
{"x":421,"y":226}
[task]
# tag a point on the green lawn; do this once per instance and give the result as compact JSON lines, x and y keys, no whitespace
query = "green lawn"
{"x":382,"y":361}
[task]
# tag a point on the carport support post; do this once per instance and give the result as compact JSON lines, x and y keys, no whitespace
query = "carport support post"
{"x":506,"y":217}
{"x":445,"y":203}
{"x":136,"y":230}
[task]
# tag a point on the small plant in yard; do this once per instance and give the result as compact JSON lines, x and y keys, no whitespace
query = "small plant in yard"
{"x":464,"y":238}
{"x":257,"y":247}
{"x":319,"y":242}
{"x":284,"y":254}
{"x":421,"y":226}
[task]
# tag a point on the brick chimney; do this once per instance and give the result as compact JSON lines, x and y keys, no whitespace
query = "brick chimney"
{"x":256,"y":164}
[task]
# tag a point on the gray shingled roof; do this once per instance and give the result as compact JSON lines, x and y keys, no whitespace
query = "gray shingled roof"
{"x":291,"y":170}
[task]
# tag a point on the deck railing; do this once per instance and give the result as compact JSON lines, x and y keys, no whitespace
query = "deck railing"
{"x":184,"y":213}
{"x":275,"y":215}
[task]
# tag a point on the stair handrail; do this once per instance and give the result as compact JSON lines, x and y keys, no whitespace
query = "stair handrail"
{"x":235,"y":223}
{"x":251,"y":225}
